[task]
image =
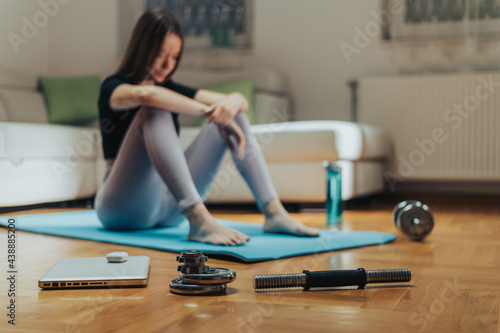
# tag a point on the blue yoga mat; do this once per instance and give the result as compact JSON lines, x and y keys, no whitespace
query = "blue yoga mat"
{"x":262,"y":246}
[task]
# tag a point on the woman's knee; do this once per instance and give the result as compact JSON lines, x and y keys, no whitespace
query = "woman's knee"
{"x":156,"y":115}
{"x":242,"y":117}
{"x":242,"y":121}
{"x":152,"y":111}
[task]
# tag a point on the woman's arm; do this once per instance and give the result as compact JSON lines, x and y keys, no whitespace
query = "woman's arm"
{"x":224,"y":107}
{"x":210,"y":97}
{"x":128,"y":96}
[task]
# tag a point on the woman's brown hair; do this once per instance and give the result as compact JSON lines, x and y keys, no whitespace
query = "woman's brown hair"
{"x":146,"y":42}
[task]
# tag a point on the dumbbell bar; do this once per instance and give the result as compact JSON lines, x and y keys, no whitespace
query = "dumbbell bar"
{"x":333,"y":278}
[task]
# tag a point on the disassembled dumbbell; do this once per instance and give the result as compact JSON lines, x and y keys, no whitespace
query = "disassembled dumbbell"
{"x":414,"y":219}
{"x":333,"y":278}
{"x":198,"y":279}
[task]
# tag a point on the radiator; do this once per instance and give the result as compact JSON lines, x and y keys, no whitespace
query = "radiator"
{"x":443,"y":127}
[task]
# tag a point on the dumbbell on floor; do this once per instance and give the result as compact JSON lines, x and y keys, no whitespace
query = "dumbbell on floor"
{"x":414,"y":219}
{"x":196,"y":278}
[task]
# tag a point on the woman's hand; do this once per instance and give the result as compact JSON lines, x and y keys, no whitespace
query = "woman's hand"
{"x":223,"y":111}
{"x":234,"y":137}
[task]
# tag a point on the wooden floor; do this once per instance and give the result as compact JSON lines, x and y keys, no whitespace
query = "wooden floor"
{"x":455,"y":285}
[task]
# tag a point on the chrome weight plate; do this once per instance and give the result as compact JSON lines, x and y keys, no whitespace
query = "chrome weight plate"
{"x":413,"y":218}
{"x":216,"y":275}
{"x":399,"y":207}
{"x":183,"y":287}
{"x":416,"y":221}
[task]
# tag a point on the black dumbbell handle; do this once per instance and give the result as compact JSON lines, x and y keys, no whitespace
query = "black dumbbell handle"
{"x":333,"y":278}
{"x":339,"y":278}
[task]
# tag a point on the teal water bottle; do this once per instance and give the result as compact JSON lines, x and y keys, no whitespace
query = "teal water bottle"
{"x":333,"y":203}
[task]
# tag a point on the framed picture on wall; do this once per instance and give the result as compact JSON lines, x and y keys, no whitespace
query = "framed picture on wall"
{"x":444,"y":18}
{"x":207,"y":24}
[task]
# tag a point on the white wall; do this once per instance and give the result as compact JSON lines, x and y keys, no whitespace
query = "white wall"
{"x":70,"y":37}
{"x":302,"y":39}
{"x":28,"y":51}
{"x":296,"y":37}
{"x":84,"y":38}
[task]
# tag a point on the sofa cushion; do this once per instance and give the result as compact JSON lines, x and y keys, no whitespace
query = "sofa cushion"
{"x":317,"y":140}
{"x":271,"y":102}
{"x":314,"y":141}
{"x":71,"y":100}
{"x":265,"y":79}
{"x":22,"y":140}
{"x":271,"y":108}
{"x":244,"y":87}
{"x":300,"y":181}
{"x":40,"y":180}
{"x":23,"y":105}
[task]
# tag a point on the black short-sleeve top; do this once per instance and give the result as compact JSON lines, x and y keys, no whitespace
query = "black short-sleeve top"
{"x":114,"y":123}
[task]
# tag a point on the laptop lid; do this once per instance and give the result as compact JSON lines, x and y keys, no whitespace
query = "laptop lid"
{"x":96,"y":272}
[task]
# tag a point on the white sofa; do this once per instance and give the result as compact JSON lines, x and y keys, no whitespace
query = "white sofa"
{"x":41,"y":162}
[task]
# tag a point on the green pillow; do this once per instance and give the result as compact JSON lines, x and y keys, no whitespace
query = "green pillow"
{"x":245,"y":87}
{"x":71,"y":100}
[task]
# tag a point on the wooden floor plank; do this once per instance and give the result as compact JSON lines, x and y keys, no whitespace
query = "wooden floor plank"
{"x":447,"y":308}
{"x":454,"y":284}
{"x":481,"y":312}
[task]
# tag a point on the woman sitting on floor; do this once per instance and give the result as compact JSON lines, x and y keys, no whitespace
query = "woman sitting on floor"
{"x":149,"y":181}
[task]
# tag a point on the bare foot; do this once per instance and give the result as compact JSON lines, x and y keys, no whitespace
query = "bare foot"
{"x":205,"y":229}
{"x":278,"y":221}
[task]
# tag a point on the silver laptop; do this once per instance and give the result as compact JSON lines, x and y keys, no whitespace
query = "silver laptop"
{"x":96,"y":272}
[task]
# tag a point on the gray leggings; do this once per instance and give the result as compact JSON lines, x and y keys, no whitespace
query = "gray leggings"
{"x":152,"y":182}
